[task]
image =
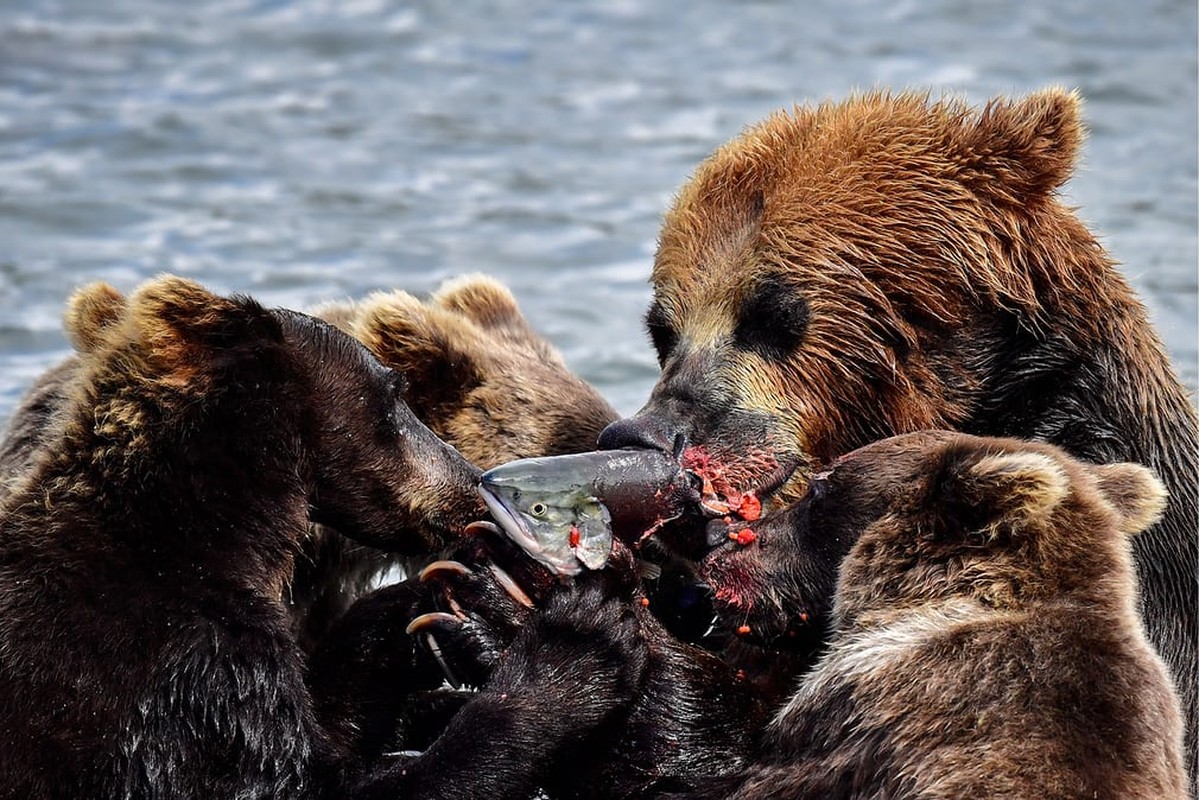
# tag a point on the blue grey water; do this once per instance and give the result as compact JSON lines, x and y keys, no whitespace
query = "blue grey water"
{"x":320,"y":149}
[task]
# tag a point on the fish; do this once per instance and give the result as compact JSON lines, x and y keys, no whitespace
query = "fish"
{"x":564,"y":511}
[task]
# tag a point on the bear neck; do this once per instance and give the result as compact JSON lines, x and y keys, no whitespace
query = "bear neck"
{"x":1103,"y":394}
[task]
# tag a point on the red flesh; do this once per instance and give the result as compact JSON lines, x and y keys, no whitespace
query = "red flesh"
{"x":722,"y":477}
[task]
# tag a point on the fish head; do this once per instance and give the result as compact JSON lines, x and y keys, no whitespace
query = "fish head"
{"x":552,"y":514}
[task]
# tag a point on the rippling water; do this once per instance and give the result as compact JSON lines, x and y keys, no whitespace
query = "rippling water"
{"x":311,"y":150}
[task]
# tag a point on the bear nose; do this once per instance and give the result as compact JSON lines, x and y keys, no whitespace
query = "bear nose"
{"x":643,"y":432}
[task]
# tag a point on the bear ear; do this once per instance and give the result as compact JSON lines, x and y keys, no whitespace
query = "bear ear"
{"x":427,"y":344}
{"x":1020,"y":150}
{"x":1134,"y":492}
{"x":188,"y":331}
{"x":90,"y":311}
{"x":170,"y":307}
{"x":1008,"y":489}
{"x":482,"y":299}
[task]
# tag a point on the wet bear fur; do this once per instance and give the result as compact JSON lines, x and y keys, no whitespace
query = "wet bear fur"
{"x":847,"y":271}
{"x":146,"y":547}
{"x":985,"y":638}
{"x":475,"y":372}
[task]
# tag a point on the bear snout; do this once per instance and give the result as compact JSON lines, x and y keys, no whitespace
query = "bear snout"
{"x":646,"y":430}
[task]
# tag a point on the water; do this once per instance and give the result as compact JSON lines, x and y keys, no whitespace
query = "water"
{"x":319,"y":149}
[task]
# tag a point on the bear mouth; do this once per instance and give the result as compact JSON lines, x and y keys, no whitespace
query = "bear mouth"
{"x":735,"y":485}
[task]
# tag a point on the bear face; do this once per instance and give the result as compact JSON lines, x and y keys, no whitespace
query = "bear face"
{"x":773,"y":579}
{"x":364,"y":440}
{"x":936,"y":498}
{"x":816,"y":280}
{"x":162,"y":521}
{"x":843,"y":273}
{"x":984,"y":637}
{"x":846,"y":272}
{"x":478,"y":375}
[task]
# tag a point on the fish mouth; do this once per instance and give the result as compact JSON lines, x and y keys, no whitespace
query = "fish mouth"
{"x":511,"y":523}
{"x":519,"y":532}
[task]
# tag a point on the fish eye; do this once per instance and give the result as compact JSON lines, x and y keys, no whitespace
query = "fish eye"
{"x":537,"y":509}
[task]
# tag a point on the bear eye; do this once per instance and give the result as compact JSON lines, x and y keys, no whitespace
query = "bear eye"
{"x":538,"y":509}
{"x":773,"y":321}
{"x":664,"y":337}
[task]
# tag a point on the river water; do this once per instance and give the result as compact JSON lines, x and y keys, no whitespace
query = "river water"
{"x":320,"y":149}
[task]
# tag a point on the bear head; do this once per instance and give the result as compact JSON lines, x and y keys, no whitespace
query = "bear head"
{"x":478,"y":375}
{"x":818,"y":282}
{"x":195,"y":389}
{"x":929,"y":516}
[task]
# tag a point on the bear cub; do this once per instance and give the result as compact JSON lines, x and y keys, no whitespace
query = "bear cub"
{"x":148,"y":535}
{"x":985,"y":640}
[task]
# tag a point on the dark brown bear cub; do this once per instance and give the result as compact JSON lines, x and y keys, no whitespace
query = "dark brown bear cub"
{"x":144,"y":647}
{"x":985,"y":638}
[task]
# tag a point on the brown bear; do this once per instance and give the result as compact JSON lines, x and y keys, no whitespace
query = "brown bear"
{"x":844,"y":272}
{"x":475,"y":372}
{"x":985,"y":636}
{"x":145,"y":650}
{"x":482,"y":379}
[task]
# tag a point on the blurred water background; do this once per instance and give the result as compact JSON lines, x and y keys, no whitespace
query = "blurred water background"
{"x":320,"y":149}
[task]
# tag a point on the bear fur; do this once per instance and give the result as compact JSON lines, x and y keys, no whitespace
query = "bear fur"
{"x":853,"y":270}
{"x":144,"y":551}
{"x":33,"y":423}
{"x":985,"y":638}
{"x":482,"y":379}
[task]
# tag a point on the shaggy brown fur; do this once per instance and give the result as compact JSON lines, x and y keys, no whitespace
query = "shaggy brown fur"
{"x":479,"y":376}
{"x":986,"y":641}
{"x":35,"y":421}
{"x":848,"y":271}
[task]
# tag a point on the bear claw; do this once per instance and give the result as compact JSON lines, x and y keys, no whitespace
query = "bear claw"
{"x":435,"y":620}
{"x":510,"y":586}
{"x":480,"y":527}
{"x":440,"y":568}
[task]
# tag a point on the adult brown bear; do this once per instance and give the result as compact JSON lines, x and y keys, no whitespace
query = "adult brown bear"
{"x":849,"y":271}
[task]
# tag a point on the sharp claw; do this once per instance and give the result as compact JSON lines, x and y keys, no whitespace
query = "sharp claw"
{"x":454,"y":607}
{"x":435,"y":649}
{"x":510,"y":586}
{"x":437,"y":620}
{"x":480,"y":526}
{"x":441,"y":567}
